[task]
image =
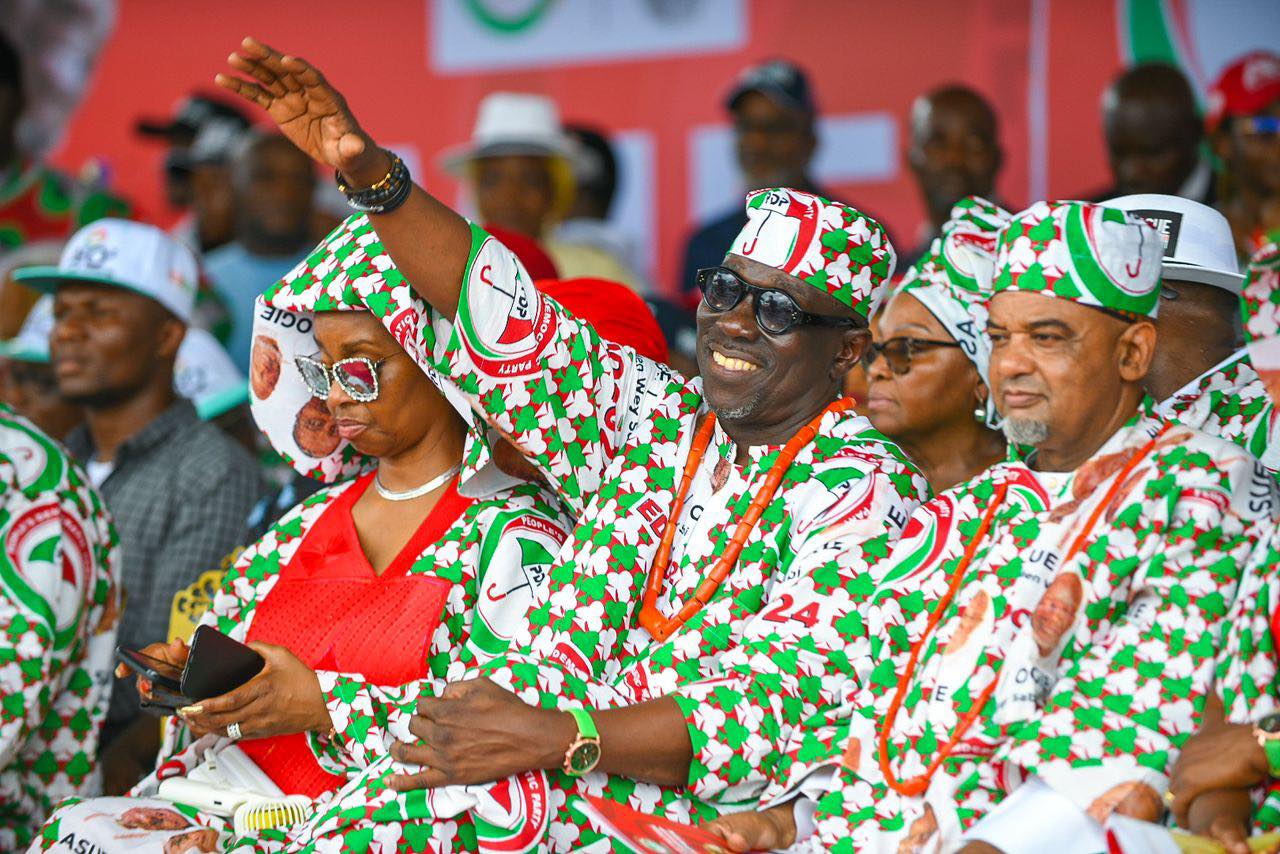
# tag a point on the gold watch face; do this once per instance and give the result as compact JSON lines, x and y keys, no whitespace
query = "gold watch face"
{"x":585,"y":756}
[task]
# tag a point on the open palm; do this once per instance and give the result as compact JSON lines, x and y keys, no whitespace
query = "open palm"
{"x":309,"y":111}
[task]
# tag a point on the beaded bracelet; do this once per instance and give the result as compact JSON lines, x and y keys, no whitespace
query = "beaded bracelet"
{"x":383,"y":197}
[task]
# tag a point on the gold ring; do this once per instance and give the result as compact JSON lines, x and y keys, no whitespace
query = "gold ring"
{"x":1168,"y":799}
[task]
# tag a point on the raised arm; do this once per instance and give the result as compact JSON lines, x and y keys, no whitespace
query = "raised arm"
{"x":428,"y":241}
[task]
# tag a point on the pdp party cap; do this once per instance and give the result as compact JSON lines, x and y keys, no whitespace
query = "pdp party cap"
{"x":1093,"y":255}
{"x":953,"y":280}
{"x":1260,"y":303}
{"x":835,"y":248}
{"x":349,"y":271}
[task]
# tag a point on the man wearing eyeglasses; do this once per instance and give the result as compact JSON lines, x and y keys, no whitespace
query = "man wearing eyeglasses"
{"x":729,"y":525}
{"x":1054,"y":623}
{"x":1243,"y":121}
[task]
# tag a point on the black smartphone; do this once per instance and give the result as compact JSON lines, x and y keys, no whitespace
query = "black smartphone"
{"x":161,"y":673}
{"x":217,"y":664}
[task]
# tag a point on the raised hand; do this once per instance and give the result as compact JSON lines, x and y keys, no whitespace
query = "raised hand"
{"x":309,"y":111}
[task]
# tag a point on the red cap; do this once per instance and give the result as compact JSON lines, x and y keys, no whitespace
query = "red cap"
{"x":530,"y":252}
{"x":1246,"y":87}
{"x":616,"y":311}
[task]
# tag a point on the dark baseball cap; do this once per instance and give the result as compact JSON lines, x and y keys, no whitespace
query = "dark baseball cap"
{"x":779,"y":80}
{"x":191,"y":114}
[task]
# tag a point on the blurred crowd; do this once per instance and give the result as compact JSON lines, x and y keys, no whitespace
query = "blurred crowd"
{"x":980,"y":443}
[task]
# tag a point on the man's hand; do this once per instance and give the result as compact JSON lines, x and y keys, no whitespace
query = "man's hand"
{"x":283,"y":699}
{"x":757,"y":830}
{"x":1223,"y":815}
{"x":310,"y":112}
{"x":475,"y":732}
{"x":1222,"y":756}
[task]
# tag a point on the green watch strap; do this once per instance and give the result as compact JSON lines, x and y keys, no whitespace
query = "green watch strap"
{"x":586,"y":726}
{"x":1271,"y":747}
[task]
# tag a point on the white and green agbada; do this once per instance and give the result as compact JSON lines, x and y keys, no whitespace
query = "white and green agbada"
{"x":611,"y":431}
{"x":59,"y":601}
{"x":1083,"y":634}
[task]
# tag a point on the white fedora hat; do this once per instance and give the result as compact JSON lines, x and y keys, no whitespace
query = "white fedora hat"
{"x":512,"y":123}
{"x":1198,"y":246}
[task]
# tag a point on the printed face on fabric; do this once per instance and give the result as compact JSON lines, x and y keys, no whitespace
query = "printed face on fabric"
{"x":1091,"y":682}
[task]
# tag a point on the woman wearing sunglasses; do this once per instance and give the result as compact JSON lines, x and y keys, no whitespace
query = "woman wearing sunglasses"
{"x":926,"y":370}
{"x":419,"y":563}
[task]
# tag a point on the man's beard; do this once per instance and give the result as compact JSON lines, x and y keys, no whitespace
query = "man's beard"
{"x":743,"y":411}
{"x":1025,"y":431}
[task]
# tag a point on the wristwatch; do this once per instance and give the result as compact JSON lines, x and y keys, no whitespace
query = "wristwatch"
{"x":584,"y":753}
{"x":1267,"y":732}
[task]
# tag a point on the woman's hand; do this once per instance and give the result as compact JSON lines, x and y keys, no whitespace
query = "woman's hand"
{"x":757,"y":830}
{"x":174,"y":652}
{"x":310,"y":112}
{"x":283,"y":699}
{"x":475,"y":732}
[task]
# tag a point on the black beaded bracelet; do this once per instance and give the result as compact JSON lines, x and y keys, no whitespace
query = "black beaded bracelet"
{"x":384,"y":196}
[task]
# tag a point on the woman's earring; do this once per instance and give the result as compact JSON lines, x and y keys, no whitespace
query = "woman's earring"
{"x":980,"y":413}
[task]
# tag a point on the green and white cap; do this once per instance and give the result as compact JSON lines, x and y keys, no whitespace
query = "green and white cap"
{"x":205,"y":374}
{"x":1090,"y":254}
{"x":124,"y":254}
{"x":31,"y":344}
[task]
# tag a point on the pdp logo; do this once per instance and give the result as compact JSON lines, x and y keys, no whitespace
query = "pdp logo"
{"x":47,"y":567}
{"x":506,"y":324}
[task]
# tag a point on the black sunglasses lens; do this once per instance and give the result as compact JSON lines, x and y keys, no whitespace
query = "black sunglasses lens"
{"x":897,"y":352}
{"x":776,"y":312}
{"x":721,"y":290}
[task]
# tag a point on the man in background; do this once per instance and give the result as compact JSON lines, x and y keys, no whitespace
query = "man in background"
{"x":178,"y":488}
{"x":774,"y":125}
{"x":179,"y":133}
{"x":520,"y":168}
{"x":955,"y":152}
{"x":1154,"y":134}
{"x":272,"y":188}
{"x":1201,"y":375}
{"x":595,"y":175}
{"x":1243,"y":121}
{"x":30,"y":387}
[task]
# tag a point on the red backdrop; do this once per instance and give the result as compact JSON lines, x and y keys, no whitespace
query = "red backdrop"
{"x":1042,"y":64}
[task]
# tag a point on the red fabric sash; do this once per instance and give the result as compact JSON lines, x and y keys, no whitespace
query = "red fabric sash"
{"x":333,"y":612}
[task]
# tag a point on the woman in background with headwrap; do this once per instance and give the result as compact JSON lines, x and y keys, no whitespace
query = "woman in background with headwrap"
{"x":927,"y":370}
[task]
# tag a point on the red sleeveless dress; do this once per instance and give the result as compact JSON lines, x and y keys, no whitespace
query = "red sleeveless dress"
{"x":331,"y":610}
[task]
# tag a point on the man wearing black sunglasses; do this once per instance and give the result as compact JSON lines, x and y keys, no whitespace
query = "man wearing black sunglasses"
{"x":728,"y":525}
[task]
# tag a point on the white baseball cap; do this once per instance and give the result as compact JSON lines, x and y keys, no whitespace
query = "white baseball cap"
{"x":512,"y":123}
{"x":31,"y":344}
{"x":204,"y":374}
{"x":1198,"y":246}
{"x":124,"y":254}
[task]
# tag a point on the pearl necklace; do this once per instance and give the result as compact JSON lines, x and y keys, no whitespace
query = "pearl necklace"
{"x":418,"y":491}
